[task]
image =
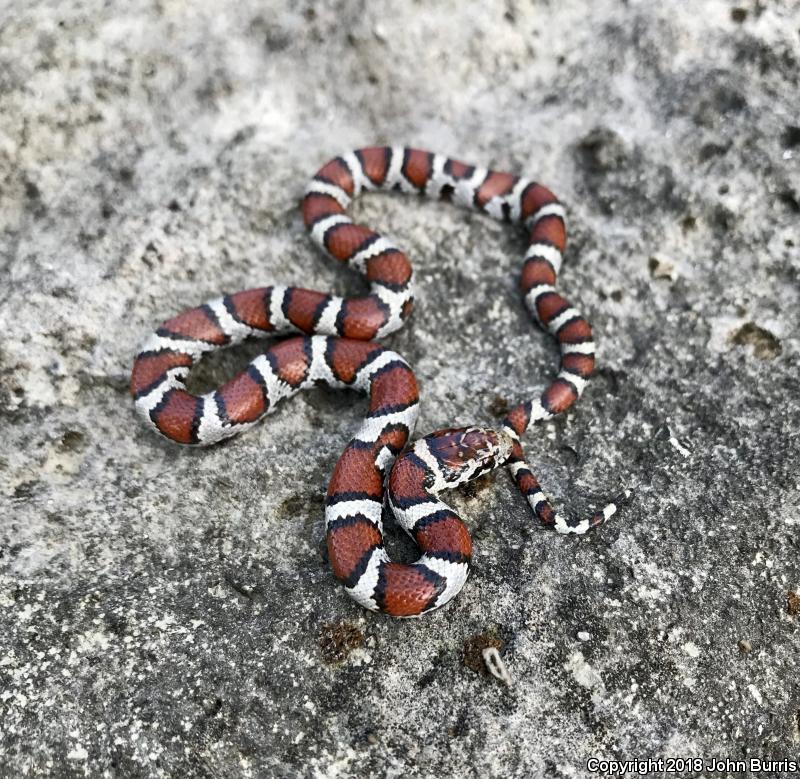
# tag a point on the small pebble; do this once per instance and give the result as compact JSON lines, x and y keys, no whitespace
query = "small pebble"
{"x":662,"y":268}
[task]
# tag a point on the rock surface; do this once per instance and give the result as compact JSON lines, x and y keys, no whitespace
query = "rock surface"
{"x":168,"y":612}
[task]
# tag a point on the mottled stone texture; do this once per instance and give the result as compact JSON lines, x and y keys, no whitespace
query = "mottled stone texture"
{"x":168,"y":612}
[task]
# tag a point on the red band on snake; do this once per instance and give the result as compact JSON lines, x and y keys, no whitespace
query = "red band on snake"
{"x":339,"y":354}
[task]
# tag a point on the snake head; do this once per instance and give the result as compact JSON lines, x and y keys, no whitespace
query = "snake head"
{"x":465,"y":453}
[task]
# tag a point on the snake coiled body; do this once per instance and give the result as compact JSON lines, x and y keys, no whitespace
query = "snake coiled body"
{"x":336,"y":350}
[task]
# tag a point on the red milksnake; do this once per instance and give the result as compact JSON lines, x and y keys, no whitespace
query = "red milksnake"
{"x":336,"y":350}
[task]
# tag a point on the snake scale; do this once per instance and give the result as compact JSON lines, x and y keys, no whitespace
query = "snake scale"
{"x":336,"y":348}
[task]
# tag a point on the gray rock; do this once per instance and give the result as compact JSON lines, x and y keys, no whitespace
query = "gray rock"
{"x":168,"y":612}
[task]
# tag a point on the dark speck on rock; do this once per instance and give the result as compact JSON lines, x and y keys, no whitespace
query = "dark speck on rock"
{"x":790,"y":138}
{"x":602,"y":150}
{"x":711,"y":150}
{"x":25,"y":489}
{"x":472,"y":651}
{"x":272,"y":35}
{"x":765,"y":345}
{"x":473,"y":488}
{"x":32,"y":191}
{"x":717,"y":99}
{"x":337,"y":640}
{"x":73,"y":440}
{"x":499,"y":406}
{"x":789,"y":199}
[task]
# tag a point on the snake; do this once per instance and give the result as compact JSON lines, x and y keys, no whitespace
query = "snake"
{"x":332,"y":341}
